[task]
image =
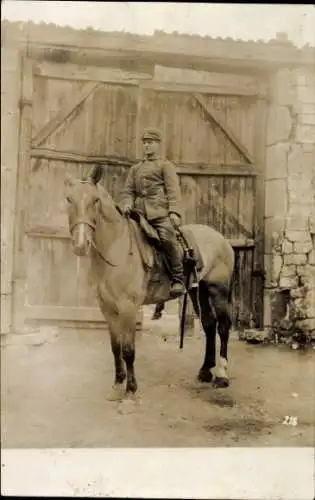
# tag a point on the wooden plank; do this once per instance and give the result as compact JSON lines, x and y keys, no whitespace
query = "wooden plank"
{"x":232,"y":219}
{"x":89,"y":45}
{"x":138,"y":121}
{"x":63,"y":233}
{"x":20,"y":267}
{"x":39,"y":231}
{"x":214,"y":116}
{"x":72,"y":156}
{"x":76,"y":314}
{"x":62,"y":114}
{"x":199,"y":88}
{"x":89,"y":73}
{"x":10,"y":93}
{"x":259,"y":220}
{"x":63,"y":313}
{"x":232,"y":228}
{"x":182,"y":168}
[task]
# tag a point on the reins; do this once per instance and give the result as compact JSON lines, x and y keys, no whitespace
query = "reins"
{"x":93,"y":227}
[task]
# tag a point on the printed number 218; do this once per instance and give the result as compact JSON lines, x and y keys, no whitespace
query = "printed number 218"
{"x":290,"y":420}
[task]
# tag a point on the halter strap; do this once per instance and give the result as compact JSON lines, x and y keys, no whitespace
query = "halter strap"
{"x":82,"y":221}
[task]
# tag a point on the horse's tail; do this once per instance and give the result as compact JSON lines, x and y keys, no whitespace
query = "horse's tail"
{"x":235,"y":268}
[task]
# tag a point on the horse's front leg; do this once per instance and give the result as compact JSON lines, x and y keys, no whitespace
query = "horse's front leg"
{"x":117,"y":391}
{"x":124,"y":327}
{"x":129,"y":351}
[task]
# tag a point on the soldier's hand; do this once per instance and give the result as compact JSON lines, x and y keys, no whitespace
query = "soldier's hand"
{"x":175,"y":219}
{"x":126,"y":210}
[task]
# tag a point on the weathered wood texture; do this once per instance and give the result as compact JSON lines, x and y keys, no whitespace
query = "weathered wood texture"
{"x":103,"y":123}
{"x":10,"y":94}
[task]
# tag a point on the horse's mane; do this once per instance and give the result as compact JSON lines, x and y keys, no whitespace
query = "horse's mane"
{"x":107,"y":199}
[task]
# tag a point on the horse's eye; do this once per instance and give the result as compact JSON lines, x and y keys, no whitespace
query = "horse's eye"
{"x":68,"y":199}
{"x":95,"y":201}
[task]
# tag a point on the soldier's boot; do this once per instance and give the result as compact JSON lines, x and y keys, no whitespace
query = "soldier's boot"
{"x":174,"y":256}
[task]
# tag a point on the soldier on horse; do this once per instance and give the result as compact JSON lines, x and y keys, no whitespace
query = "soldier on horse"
{"x":152,"y":189}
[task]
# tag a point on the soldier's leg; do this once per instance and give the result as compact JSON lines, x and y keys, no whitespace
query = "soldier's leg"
{"x":173,"y":252}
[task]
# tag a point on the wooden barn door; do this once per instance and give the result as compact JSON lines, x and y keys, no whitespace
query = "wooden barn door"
{"x":217,"y":143}
{"x":71,"y":118}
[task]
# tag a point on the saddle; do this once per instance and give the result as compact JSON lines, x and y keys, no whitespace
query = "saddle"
{"x":192,"y":258}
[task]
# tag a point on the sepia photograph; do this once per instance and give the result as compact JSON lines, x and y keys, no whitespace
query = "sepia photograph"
{"x":158,"y":249}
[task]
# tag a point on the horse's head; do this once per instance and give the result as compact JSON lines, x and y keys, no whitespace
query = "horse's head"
{"x":82,"y":197}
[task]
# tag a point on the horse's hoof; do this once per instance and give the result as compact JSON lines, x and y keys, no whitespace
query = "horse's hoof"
{"x":116,"y":393}
{"x":221,"y":382}
{"x":205,"y":376}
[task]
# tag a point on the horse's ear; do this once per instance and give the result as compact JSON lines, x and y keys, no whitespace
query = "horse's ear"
{"x":68,"y":180}
{"x":96,"y":174}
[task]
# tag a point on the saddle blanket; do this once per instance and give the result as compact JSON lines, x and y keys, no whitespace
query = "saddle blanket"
{"x":156,"y":261}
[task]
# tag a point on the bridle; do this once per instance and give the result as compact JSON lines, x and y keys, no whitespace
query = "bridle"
{"x":90,"y":224}
{"x":82,"y":221}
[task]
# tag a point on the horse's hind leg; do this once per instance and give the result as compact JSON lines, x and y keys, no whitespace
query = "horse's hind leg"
{"x":208,"y":322}
{"x":221,"y":301}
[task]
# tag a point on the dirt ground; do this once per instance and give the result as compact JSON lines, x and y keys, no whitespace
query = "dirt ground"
{"x":54,"y":391}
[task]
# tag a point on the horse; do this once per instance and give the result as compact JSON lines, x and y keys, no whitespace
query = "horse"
{"x":128,"y":273}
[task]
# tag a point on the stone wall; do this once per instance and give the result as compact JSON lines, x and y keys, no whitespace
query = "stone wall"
{"x":290,"y":202}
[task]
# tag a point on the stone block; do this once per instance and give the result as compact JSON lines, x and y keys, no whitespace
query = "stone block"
{"x":306,"y":94}
{"x":287,"y":247}
{"x":311,"y":257}
{"x":273,"y":225}
{"x":276,"y":198}
{"x":297,"y":293}
{"x":310,"y":302}
{"x":296,"y":235}
{"x":300,"y":161}
{"x":309,"y":148}
{"x":277,"y":240}
{"x":288,"y":271}
{"x":279,"y":124}
{"x":306,"y":325}
{"x":283,"y":90}
{"x":295,"y":258}
{"x":272,"y":265}
{"x":288,"y":282}
{"x":304,"y":270}
{"x":276,"y":161}
{"x":303,"y":108}
{"x":253,"y":335}
{"x":306,"y":276}
{"x":277,"y":263}
{"x":302,"y":247}
{"x":299,"y":188}
{"x":296,"y":222}
{"x":303,"y":76}
{"x":305,"y":134}
{"x":306,"y":119}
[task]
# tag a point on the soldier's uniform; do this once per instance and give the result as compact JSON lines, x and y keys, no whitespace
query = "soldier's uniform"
{"x":152,"y":188}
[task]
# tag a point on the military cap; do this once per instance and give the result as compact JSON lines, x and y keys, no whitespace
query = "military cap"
{"x":152,"y":133}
